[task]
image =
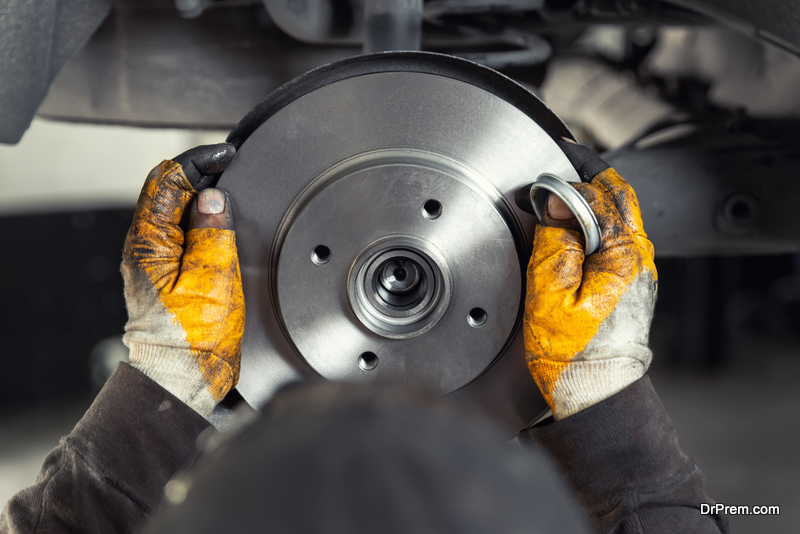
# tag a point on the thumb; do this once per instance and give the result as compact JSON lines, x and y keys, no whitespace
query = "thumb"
{"x":211,"y":210}
{"x":207,"y":299}
{"x":556,"y":265}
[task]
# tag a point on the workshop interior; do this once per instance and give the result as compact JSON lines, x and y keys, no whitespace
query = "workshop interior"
{"x":695,"y":103}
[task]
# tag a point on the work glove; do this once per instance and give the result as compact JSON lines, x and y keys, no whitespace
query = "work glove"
{"x":183,"y":289}
{"x":587,"y":318}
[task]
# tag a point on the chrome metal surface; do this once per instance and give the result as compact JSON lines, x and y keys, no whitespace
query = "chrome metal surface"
{"x":576,"y":203}
{"x":466,"y":257}
{"x":397,"y":313}
{"x":341,"y":186}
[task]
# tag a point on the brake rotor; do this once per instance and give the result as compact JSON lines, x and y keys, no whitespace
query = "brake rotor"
{"x":377,"y":231}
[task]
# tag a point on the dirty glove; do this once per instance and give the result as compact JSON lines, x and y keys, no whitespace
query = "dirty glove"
{"x":587,"y":318}
{"x":183,"y":290}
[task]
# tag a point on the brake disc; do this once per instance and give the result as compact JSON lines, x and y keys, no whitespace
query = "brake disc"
{"x":377,"y":231}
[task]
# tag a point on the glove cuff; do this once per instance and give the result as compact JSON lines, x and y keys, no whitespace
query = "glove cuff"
{"x":175,"y":370}
{"x":585,"y":383}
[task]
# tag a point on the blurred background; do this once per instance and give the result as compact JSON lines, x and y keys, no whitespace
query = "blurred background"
{"x":696,"y":104}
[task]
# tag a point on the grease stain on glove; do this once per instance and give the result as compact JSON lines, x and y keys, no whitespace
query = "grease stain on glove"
{"x":184,"y":295}
{"x":587,"y":319}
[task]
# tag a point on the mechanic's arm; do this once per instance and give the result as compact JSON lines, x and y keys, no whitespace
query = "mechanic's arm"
{"x":586,"y":327}
{"x":186,"y":319}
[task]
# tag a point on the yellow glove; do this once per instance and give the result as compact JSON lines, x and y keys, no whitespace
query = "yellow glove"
{"x":184,"y":291}
{"x":587,"y":319}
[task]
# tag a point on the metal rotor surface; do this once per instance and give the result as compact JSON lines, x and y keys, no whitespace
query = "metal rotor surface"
{"x":378,"y":237}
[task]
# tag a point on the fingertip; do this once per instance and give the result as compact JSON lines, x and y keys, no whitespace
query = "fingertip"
{"x":557,"y":214}
{"x":221,"y":156}
{"x":211,"y":201}
{"x":211,"y":209}
{"x":558,"y":209}
{"x":203,"y":164}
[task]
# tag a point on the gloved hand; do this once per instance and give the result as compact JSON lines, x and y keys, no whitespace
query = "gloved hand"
{"x":587,"y":318}
{"x":183,"y":290}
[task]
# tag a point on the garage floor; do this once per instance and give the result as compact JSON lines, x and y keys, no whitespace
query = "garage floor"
{"x":743,"y":428}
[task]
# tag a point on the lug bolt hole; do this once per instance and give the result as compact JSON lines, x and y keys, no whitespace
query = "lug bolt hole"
{"x":321,"y":255}
{"x":368,"y":361}
{"x":477,"y":317}
{"x":432,"y":209}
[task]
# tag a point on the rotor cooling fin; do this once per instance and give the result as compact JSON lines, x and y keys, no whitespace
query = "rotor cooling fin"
{"x":377,"y":231}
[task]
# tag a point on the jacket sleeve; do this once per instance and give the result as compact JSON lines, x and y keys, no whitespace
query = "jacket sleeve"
{"x":109,"y":473}
{"x":623,"y":460}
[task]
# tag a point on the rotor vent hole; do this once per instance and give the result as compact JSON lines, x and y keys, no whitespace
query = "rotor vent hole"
{"x":368,"y":361}
{"x":477,"y":317}
{"x":321,"y":255}
{"x":432,"y":209}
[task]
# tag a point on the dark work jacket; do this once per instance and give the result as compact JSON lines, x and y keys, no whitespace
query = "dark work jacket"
{"x":623,"y":460}
{"x":110,"y":472}
{"x":621,"y":456}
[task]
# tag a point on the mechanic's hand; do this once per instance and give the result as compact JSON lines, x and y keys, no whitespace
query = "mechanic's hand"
{"x":587,"y":318}
{"x":184,"y":290}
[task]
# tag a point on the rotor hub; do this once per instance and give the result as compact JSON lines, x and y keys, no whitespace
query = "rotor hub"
{"x":396,"y":279}
{"x":396,"y":290}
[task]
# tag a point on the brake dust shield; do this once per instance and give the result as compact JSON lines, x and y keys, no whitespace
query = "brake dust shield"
{"x":378,"y":235}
